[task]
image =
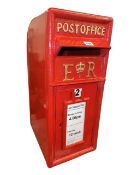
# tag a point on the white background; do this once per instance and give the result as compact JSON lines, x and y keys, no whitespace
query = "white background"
{"x":19,"y":151}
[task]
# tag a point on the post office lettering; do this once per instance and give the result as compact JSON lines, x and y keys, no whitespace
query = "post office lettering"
{"x":81,"y":29}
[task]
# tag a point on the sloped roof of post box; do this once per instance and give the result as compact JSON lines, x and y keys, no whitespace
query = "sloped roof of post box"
{"x":79,"y":15}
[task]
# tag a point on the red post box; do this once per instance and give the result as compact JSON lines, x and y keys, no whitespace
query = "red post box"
{"x":67,"y":60}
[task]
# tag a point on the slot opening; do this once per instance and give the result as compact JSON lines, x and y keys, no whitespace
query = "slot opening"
{"x":80,"y":51}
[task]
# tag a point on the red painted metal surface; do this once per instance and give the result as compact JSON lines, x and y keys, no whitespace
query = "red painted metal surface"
{"x":66,"y":51}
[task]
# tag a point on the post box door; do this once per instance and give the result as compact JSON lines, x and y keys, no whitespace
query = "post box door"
{"x":76,"y":112}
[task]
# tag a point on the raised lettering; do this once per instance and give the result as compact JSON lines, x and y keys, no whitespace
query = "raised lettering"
{"x":59,"y":26}
{"x":93,"y":29}
{"x":65,"y":27}
{"x":81,"y":29}
{"x":103,"y":31}
{"x":76,"y":25}
{"x":88,"y":29}
{"x":91,"y":69}
{"x":98,"y":30}
{"x":67,"y":72}
{"x":71,"y":30}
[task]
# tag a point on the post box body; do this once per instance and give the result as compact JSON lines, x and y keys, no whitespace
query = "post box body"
{"x":67,"y":62}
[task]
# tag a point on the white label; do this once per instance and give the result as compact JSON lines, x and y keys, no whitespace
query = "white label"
{"x":75,"y":123}
{"x":88,"y":43}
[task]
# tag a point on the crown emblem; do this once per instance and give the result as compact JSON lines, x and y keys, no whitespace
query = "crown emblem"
{"x":80,"y":68}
